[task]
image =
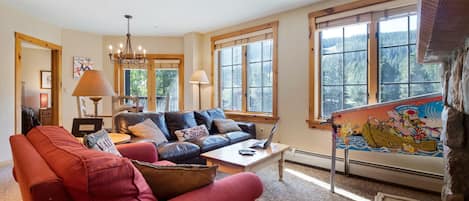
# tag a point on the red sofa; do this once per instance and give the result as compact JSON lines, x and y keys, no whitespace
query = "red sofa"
{"x":50,"y":164}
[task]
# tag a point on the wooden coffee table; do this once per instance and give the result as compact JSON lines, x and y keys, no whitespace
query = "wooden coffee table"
{"x":230,"y":161}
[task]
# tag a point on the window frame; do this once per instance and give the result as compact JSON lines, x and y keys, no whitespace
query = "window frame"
{"x":314,"y":120}
{"x":119,"y":85}
{"x":244,"y":115}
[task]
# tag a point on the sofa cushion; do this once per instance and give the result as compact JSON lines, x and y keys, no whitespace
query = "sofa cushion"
{"x":191,"y":133}
{"x":177,"y":151}
{"x":237,"y":136}
{"x":88,"y":174}
{"x":158,"y":119}
{"x":203,"y":118}
{"x":216,"y":113}
{"x":210,"y":142}
{"x":122,"y":121}
{"x":170,"y":181}
{"x":178,"y":121}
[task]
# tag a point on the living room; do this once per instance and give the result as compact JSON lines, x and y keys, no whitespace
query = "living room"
{"x":197,"y":35}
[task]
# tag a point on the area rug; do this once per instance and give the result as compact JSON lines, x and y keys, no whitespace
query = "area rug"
{"x":302,"y":183}
{"x":389,"y":197}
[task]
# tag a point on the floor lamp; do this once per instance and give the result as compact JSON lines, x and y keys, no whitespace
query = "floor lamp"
{"x":199,"y":77}
{"x":93,"y":84}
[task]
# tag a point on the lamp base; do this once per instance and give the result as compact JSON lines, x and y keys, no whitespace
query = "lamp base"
{"x":95,"y":102}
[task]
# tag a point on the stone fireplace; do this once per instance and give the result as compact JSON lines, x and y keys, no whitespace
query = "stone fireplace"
{"x":455,"y":134}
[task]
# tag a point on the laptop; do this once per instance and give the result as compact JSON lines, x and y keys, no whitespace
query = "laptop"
{"x":265,"y":143}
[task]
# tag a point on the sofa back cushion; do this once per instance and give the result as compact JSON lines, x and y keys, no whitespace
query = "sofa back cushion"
{"x":203,"y":118}
{"x":178,"y":121}
{"x":88,"y":174}
{"x":215,"y":113}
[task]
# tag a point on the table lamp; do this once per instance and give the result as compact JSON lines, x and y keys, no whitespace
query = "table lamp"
{"x":199,"y":77}
{"x":93,"y":84}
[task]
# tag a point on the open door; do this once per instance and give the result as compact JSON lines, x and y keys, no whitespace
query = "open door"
{"x":55,"y":78}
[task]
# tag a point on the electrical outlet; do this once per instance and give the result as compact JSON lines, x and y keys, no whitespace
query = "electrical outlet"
{"x":261,"y":130}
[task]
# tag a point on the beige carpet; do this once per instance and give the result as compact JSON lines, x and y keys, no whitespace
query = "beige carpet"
{"x":300,"y":183}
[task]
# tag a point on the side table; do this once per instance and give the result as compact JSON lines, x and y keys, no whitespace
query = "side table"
{"x":116,"y":138}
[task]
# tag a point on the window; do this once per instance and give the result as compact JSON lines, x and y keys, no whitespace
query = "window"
{"x":231,"y":78}
{"x":167,"y":89}
{"x":246,"y":66}
{"x":136,"y":85}
{"x":157,"y":84}
{"x":400,"y":76}
{"x":365,"y":58}
{"x":344,"y":56}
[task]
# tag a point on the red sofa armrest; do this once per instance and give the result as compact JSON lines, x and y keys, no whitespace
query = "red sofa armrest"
{"x":244,"y":186}
{"x":144,"y":151}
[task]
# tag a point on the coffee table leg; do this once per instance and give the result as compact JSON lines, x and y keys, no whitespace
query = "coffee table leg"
{"x":281,"y":164}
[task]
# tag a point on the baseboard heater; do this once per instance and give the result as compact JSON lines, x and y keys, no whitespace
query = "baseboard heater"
{"x":402,"y":176}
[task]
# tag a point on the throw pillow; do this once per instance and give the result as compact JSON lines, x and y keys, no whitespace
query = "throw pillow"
{"x":100,"y":141}
{"x":168,"y":182}
{"x":179,"y":120}
{"x":148,"y":129}
{"x":226,"y":125}
{"x":191,"y":133}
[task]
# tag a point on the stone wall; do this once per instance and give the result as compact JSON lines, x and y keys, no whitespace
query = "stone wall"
{"x":455,"y":133}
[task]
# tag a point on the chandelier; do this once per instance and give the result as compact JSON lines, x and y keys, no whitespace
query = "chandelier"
{"x":125,"y":55}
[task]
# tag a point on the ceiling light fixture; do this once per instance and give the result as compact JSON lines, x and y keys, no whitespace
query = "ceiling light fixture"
{"x":125,"y":55}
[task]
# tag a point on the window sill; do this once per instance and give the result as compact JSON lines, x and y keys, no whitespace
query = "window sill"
{"x":318,"y":124}
{"x":250,"y":117}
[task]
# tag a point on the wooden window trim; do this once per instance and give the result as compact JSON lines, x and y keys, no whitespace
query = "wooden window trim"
{"x":314,"y":108}
{"x":248,"y":116}
{"x":119,"y":78}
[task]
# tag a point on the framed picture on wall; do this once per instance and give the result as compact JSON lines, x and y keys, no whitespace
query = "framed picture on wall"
{"x":80,"y":65}
{"x":46,"y":79}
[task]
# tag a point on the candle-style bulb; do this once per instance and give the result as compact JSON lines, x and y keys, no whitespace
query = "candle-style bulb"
{"x":121,"y":45}
{"x":110,"y":47}
{"x":139,"y":48}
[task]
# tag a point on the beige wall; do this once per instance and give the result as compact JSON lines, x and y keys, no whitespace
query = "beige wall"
{"x":14,"y":21}
{"x":33,"y":61}
{"x":76,"y":43}
{"x":293,"y":92}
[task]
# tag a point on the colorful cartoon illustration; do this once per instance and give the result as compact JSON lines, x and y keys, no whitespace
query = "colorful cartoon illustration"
{"x":411,"y":126}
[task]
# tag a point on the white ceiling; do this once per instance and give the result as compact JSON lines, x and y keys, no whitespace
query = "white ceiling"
{"x":151,"y":17}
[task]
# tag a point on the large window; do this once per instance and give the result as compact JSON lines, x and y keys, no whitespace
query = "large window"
{"x":344,"y":56}
{"x":157,"y":84}
{"x":400,"y":76}
{"x":246,"y":66}
{"x":367,"y":58}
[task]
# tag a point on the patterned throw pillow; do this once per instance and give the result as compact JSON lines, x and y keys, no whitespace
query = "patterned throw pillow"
{"x":226,"y":125}
{"x":191,"y":133}
{"x":100,"y":141}
{"x":148,"y":129}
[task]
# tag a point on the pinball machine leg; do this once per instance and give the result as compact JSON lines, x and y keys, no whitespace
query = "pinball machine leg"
{"x":346,"y":161}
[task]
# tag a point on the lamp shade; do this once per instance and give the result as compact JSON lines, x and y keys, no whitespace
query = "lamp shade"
{"x":199,"y":77}
{"x":43,"y":100}
{"x":93,"y":83}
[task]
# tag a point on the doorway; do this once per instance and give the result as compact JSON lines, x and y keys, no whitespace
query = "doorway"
{"x":48,"y":84}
